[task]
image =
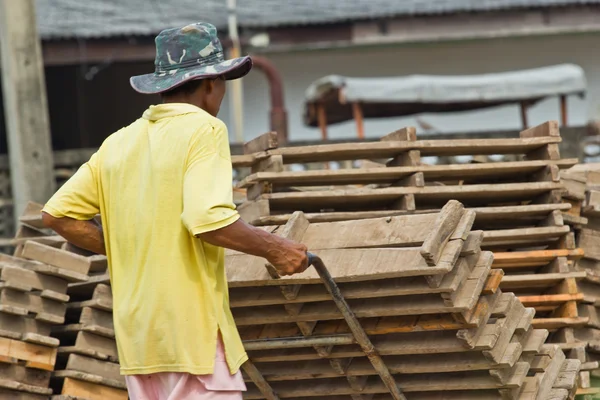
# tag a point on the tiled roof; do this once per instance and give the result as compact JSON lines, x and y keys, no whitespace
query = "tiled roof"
{"x":104,"y":18}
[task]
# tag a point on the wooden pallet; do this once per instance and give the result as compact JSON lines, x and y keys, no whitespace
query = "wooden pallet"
{"x":418,"y":325}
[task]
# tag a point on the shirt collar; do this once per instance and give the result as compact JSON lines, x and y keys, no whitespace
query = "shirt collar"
{"x":154,"y":113}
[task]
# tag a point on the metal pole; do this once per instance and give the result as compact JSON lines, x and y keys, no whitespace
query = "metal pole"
{"x":236,"y":89}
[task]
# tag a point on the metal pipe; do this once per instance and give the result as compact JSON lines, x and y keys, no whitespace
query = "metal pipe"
{"x":278,"y":113}
{"x":236,"y":97}
{"x":563,"y":110}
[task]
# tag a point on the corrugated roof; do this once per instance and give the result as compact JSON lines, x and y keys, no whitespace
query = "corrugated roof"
{"x":104,"y":18}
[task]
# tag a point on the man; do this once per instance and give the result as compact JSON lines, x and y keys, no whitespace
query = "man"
{"x":163,"y":187}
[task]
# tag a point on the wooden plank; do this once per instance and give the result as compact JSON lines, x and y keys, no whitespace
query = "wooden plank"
{"x":363,"y":308}
{"x":439,"y":235}
{"x":486,"y":172}
{"x":346,"y":265}
{"x":89,"y":344}
{"x":511,"y":282}
{"x":44,"y":269}
{"x":28,"y":376}
{"x":551,"y":373}
{"x":376,"y":150}
{"x":91,"y":391}
{"x":524,"y":235}
{"x":12,"y":301}
{"x":483,"y":214}
{"x":399,"y":231}
{"x":257,"y":296}
{"x":92,"y":366}
{"x":589,"y":241}
{"x":32,"y":279}
{"x":477,"y":194}
{"x":534,"y":257}
{"x":56,"y":257}
{"x":17,"y":326}
{"x":547,"y":129}
{"x":476,"y":380}
{"x":36,"y":356}
{"x":266,"y":141}
{"x":424,"y":364}
{"x":21,"y":387}
{"x":413,"y":343}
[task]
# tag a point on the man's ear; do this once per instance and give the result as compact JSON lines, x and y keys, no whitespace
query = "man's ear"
{"x":209,"y":85}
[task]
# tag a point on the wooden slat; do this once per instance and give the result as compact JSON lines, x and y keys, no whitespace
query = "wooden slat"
{"x":36,"y":356}
{"x":91,"y":391}
{"x":56,"y":257}
{"x":347,"y":151}
{"x":533,"y":258}
{"x":537,"y":280}
{"x":484,"y":172}
{"x":310,"y":200}
{"x":346,"y":265}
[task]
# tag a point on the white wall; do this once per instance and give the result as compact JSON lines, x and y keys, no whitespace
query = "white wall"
{"x":302,"y":68}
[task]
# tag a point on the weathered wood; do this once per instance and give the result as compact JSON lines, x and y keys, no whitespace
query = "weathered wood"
{"x":529,"y":281}
{"x":91,"y":391}
{"x":56,"y":257}
{"x":589,"y":240}
{"x":471,"y":173}
{"x":266,"y":141}
{"x":28,"y":376}
{"x":35,"y":356}
{"x":92,"y":366}
{"x":44,"y":269}
{"x":88,"y":344}
{"x":257,"y":213}
{"x":32,"y":279}
{"x":311,"y":200}
{"x":443,"y":227}
{"x":25,"y":105}
{"x":345,"y":265}
{"x":376,"y":150}
{"x":23,"y":303}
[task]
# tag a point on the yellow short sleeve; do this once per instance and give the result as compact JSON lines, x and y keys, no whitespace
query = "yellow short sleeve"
{"x":78,"y":197}
{"x":207,"y":189}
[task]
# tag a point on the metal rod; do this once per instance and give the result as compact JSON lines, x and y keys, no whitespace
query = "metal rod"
{"x":297,"y":342}
{"x":563,"y":110}
{"x":358,"y":117}
{"x":259,"y":380}
{"x":322,"y":118}
{"x":357,"y":330}
{"x":524,"y":115}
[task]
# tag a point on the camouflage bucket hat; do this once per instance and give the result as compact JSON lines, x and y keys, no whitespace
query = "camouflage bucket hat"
{"x":189,"y":53}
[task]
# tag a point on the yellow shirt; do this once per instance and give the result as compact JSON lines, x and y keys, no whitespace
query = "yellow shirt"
{"x":157,"y":183}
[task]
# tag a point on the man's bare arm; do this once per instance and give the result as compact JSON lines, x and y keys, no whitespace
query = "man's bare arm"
{"x":85,"y":234}
{"x":286,"y":256}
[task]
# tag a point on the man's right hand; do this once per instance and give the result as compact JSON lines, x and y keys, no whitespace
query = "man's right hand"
{"x":289,"y":258}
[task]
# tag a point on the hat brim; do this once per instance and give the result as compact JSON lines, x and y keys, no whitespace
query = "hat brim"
{"x":158,"y":83}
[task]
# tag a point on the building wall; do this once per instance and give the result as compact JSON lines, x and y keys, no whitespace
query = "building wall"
{"x":84,"y":111}
{"x":475,"y":57}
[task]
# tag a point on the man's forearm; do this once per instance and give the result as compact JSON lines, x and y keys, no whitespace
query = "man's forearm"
{"x":85,"y":234}
{"x":245,"y":238}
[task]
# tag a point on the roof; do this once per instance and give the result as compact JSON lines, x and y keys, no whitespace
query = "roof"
{"x":415,"y":94}
{"x":105,"y":18}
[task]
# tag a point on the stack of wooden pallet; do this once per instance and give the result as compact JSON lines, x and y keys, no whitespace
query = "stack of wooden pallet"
{"x":32,"y":303}
{"x":517,"y":204}
{"x":422,"y":290}
{"x":583,"y":182}
{"x":87,"y":362}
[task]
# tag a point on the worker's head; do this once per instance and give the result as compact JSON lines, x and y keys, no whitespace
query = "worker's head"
{"x":204,"y":93}
{"x":188,"y":54}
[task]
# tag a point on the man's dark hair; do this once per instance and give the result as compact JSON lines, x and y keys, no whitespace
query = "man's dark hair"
{"x":187,"y":88}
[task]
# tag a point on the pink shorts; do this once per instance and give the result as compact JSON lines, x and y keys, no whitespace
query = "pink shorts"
{"x":221,"y":385}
